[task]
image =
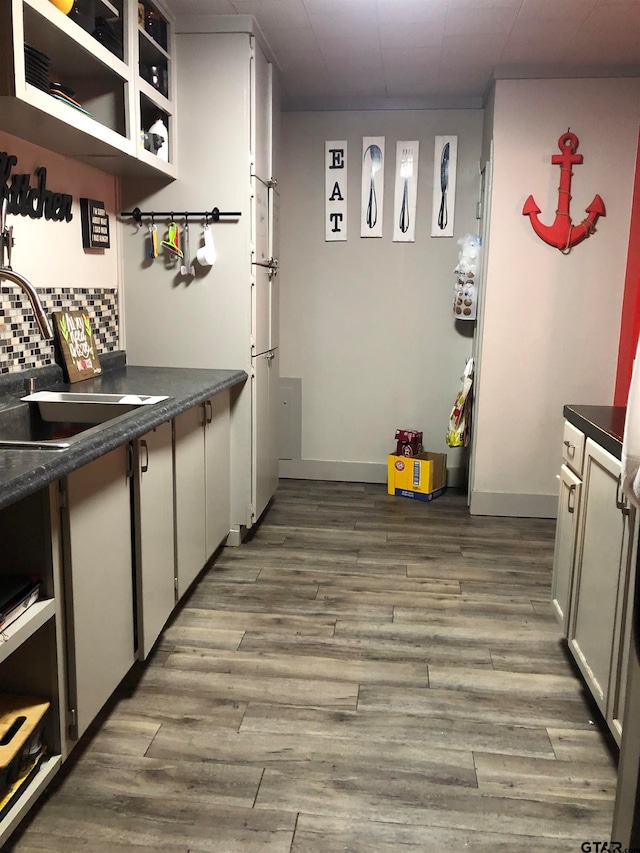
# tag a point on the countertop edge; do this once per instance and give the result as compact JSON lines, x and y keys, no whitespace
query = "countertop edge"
{"x":602,"y":424}
{"x":36,"y":469}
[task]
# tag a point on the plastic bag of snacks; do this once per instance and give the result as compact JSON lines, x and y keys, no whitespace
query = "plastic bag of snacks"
{"x":460,"y":418}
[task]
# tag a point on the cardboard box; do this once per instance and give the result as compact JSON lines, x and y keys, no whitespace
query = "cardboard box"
{"x":422,"y":477}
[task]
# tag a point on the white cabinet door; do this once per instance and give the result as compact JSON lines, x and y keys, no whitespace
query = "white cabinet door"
{"x":261,"y":309}
{"x":189,"y":472}
{"x":265,"y":402}
{"x":261,"y":109}
{"x":98,"y":583}
{"x":599,"y":573}
{"x":154,"y":540}
{"x":218,"y":474}
{"x":274,"y":252}
{"x":563,"y":559}
{"x":624,"y":617}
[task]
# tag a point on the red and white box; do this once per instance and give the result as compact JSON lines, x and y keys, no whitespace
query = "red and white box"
{"x":408,"y":442}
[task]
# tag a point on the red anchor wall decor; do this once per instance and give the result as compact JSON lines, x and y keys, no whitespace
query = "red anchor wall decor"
{"x":562,"y":234}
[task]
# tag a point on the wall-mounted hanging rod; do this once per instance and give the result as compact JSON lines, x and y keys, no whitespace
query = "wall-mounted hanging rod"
{"x":214,"y":214}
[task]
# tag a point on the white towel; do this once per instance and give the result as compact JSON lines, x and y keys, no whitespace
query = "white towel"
{"x":631,"y":439}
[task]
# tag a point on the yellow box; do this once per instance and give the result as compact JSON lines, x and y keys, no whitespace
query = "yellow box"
{"x":422,"y":477}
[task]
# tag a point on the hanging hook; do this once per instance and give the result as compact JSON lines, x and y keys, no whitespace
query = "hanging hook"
{"x":137,"y":215}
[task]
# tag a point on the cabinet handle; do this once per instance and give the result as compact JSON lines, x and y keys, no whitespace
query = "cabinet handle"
{"x":621,"y":501}
{"x":571,"y":447}
{"x":129,"y":461}
{"x":208,"y":410}
{"x":144,"y":467}
{"x":571,"y":505}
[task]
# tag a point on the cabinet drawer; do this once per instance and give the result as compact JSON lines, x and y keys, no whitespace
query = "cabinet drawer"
{"x":573,"y":447}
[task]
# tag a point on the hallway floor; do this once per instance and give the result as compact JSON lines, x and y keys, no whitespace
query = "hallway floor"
{"x":367,"y":674}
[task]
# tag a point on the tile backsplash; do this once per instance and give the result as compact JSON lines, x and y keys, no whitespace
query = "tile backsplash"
{"x":22,"y":346}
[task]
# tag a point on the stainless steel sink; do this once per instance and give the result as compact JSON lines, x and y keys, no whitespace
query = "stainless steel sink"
{"x":54,"y":420}
{"x":86,"y":408}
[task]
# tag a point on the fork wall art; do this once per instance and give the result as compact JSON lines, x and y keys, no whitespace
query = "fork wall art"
{"x":372,"y":186}
{"x":444,"y":186}
{"x":406,"y":192}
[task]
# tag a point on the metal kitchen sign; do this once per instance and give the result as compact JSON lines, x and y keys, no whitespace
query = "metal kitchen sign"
{"x":38,"y":201}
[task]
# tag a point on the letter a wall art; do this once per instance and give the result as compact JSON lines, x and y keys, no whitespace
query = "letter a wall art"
{"x":335,"y":191}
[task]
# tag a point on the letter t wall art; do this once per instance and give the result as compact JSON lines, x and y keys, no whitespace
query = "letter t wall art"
{"x":335,"y":191}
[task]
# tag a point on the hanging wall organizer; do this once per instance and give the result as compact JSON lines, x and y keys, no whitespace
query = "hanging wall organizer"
{"x":214,"y":214}
{"x":205,"y":255}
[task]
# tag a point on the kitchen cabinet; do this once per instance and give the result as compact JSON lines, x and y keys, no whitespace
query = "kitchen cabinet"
{"x":105,"y":59}
{"x":31,"y":661}
{"x":228,"y":313}
{"x":98,"y":581}
{"x":565,"y":545}
{"x":153,"y":534}
{"x":594,"y":569}
{"x":266,"y":401}
{"x":202,"y":482}
{"x":76,"y":643}
{"x":190,"y":497}
{"x":217,"y":472}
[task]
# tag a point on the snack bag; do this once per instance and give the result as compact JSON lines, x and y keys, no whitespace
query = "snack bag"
{"x":458,"y":434}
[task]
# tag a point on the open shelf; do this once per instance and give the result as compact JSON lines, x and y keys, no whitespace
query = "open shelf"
{"x":48,"y":768}
{"x":31,"y":620}
{"x":105,"y":130}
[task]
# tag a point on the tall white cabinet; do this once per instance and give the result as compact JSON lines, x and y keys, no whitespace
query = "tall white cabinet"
{"x":224,"y":316}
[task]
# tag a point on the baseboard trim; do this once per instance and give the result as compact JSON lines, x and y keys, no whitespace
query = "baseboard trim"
{"x":349,"y":472}
{"x":513,"y":505}
{"x":320,"y":469}
{"x":236,"y":536}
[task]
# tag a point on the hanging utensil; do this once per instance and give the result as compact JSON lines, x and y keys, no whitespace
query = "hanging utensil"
{"x":185,"y":269}
{"x":443,"y":216}
{"x":406,"y":171}
{"x":375,"y":160}
{"x":153,"y":240}
{"x":172,"y":243}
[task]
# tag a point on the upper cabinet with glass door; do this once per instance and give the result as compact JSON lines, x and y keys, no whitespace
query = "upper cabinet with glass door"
{"x":70,"y":81}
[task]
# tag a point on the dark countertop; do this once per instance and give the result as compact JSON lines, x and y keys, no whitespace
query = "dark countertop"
{"x":25,"y":471}
{"x":603,"y":424}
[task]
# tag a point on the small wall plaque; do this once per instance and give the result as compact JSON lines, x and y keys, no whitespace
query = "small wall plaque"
{"x":77,"y":345}
{"x":95,"y":224}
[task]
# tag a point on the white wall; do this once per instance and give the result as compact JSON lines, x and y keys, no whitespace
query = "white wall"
{"x":50,"y":254}
{"x":551,"y":321}
{"x":367,"y":324}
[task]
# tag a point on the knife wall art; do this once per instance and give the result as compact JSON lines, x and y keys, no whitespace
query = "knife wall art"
{"x":406,"y":192}
{"x":372,"y":196}
{"x":335,"y":191}
{"x":444,"y":186}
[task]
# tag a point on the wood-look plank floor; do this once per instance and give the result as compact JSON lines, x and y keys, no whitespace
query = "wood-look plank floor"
{"x":366,"y":674}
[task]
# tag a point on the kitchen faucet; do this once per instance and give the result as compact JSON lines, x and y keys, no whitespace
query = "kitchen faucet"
{"x":6,"y":243}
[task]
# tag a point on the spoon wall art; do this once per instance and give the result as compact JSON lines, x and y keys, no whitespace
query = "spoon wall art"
{"x":372,"y":196}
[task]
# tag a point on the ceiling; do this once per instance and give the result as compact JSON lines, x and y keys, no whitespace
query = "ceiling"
{"x":353,"y":54}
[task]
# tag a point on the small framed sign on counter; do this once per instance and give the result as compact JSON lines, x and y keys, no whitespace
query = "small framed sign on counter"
{"x":77,"y":344}
{"x":95,"y":224}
